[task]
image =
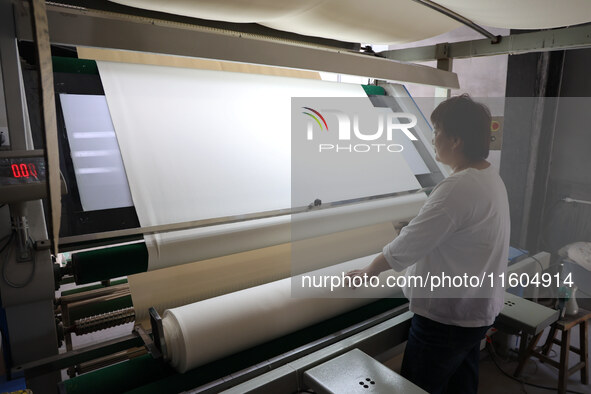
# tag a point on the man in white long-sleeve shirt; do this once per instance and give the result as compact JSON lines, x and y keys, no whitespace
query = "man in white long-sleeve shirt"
{"x":462,"y":231}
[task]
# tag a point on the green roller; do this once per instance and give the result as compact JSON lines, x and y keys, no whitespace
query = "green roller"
{"x":374,"y":90}
{"x":107,"y":263}
{"x":74,"y":65}
{"x":92,"y":287}
{"x":119,"y":378}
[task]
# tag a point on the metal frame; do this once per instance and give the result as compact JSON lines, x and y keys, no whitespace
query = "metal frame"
{"x":69,"y":303}
{"x":396,"y":320}
{"x":29,"y":309}
{"x":540,"y":41}
{"x":159,"y":348}
{"x":11,"y":77}
{"x":288,"y":377}
{"x":118,"y":31}
{"x":457,"y":17}
{"x":60,"y":361}
{"x":21,"y":153}
{"x":40,"y":30}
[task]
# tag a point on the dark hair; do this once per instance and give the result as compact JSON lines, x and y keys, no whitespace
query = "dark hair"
{"x":463,"y":118}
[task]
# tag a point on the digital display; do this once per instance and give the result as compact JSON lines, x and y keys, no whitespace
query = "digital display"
{"x":24,"y":170}
{"x":17,"y":171}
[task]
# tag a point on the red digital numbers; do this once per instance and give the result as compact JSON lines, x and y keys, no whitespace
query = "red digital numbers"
{"x":24,"y":170}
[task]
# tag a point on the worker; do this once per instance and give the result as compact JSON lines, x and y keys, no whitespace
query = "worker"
{"x":459,"y":242}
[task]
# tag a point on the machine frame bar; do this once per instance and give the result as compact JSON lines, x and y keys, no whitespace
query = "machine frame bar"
{"x":540,"y":41}
{"x":104,"y":29}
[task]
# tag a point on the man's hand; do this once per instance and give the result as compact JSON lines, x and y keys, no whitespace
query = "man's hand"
{"x":377,"y":266}
{"x":363,"y":273}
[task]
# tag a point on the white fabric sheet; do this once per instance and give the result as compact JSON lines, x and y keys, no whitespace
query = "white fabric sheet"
{"x":200,"y":144}
{"x":377,"y":21}
{"x":579,"y":252}
{"x":374,"y":21}
{"x":522,"y":14}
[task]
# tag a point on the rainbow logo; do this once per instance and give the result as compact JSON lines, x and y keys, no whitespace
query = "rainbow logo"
{"x":315,"y":118}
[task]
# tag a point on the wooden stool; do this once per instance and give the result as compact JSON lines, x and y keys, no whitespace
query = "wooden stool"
{"x":564,"y":325}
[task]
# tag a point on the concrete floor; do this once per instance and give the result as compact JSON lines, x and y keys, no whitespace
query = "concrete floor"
{"x":493,"y":381}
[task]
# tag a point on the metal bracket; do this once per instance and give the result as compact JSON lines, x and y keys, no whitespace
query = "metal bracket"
{"x":42,"y":244}
{"x":444,"y":62}
{"x":442,"y":50}
{"x":148,"y":342}
{"x":158,"y":333}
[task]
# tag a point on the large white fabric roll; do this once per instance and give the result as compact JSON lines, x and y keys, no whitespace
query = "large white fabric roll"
{"x":198,"y":333}
{"x":167,"y":250}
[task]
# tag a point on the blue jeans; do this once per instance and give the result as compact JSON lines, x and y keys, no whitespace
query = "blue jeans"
{"x":442,"y":358}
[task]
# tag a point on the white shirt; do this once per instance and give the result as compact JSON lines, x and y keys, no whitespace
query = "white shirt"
{"x":461,"y":231}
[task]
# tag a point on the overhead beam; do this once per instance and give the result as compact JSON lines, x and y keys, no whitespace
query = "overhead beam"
{"x":82,"y":27}
{"x":538,"y":41}
{"x":246,"y":28}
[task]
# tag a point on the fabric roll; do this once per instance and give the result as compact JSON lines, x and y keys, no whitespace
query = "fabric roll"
{"x":189,"y":283}
{"x":205,"y":331}
{"x":182,"y":247}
